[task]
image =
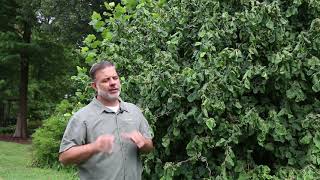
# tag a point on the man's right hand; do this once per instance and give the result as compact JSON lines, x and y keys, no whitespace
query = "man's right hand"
{"x":104,"y":143}
{"x":77,"y":154}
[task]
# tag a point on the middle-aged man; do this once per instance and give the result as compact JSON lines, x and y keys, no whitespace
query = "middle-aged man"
{"x":105,"y":137}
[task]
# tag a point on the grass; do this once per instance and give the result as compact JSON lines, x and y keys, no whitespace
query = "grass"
{"x":15,"y":160}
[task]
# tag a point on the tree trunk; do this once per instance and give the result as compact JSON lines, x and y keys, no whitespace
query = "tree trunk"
{"x":21,"y":126}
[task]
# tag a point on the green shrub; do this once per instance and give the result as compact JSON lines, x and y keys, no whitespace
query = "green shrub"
{"x":230,"y":88}
{"x":46,"y":140}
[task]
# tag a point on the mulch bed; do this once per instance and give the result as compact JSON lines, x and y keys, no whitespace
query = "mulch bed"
{"x":9,"y":138}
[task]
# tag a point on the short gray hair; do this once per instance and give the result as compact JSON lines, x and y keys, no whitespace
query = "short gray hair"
{"x":98,"y":66}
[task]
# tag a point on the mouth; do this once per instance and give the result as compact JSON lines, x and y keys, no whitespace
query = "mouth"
{"x":114,"y":90}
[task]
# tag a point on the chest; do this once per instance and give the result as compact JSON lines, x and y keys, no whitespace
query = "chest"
{"x":112,"y":124}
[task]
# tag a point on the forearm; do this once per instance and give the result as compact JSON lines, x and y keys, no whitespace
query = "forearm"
{"x":148,"y":146}
{"x":77,"y":154}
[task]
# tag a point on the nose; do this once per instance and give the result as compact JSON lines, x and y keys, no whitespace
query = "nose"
{"x":112,"y":82}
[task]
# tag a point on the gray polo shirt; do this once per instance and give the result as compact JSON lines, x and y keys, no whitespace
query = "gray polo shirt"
{"x":94,"y":120}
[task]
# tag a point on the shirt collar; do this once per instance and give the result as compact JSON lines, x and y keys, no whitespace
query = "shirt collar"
{"x":102,"y":108}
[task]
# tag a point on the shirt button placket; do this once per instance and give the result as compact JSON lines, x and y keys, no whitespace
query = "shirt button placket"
{"x":121,"y":146}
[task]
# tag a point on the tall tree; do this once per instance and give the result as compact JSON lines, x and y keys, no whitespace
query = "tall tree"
{"x":20,"y":19}
{"x":36,"y":35}
{"x":25,"y":45}
{"x":28,"y":21}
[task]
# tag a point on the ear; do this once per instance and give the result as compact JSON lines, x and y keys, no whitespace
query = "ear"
{"x":94,"y":85}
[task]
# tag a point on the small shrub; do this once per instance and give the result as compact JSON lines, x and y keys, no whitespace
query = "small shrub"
{"x":46,"y":140}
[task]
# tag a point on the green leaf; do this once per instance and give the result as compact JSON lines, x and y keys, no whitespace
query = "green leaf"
{"x":246,"y":83}
{"x":161,"y":2}
{"x":202,"y":34}
{"x":165,"y":141}
{"x":297,"y":2}
{"x":243,"y":176}
{"x":306,"y":139}
{"x":131,"y":4}
{"x":191,"y":149}
{"x":91,"y":55}
{"x":192,"y":111}
{"x":96,"y":16}
{"x":109,"y":6}
{"x":211,"y":123}
{"x":316,"y":140}
{"x":280,"y":130}
{"x":229,"y":157}
{"x":270,"y":24}
{"x":193,"y":96}
{"x":316,"y":82}
{"x":205,"y":112}
{"x":106,"y":34}
{"x":84,"y":50}
{"x":221,"y":142}
{"x":95,"y":44}
{"x":264,"y":75}
{"x":238,"y":105}
{"x":119,"y":11}
{"x":99,"y":26}
{"x":295,"y":92}
{"x":89,"y":38}
{"x":218,"y":105}
{"x":313,"y":62}
{"x":276,"y":59}
{"x":176,"y":131}
{"x":291,"y":11}
{"x":197,"y":43}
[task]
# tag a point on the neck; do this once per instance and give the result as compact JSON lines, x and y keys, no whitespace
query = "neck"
{"x":108,"y":102}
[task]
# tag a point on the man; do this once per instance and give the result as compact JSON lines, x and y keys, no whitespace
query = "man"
{"x":105,"y":137}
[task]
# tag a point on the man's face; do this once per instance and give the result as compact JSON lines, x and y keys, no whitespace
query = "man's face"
{"x":107,"y":84}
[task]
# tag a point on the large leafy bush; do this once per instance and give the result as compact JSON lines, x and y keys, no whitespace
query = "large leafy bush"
{"x":230,"y":88}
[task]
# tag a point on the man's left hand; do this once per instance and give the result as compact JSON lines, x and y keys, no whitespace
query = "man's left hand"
{"x":136,"y":137}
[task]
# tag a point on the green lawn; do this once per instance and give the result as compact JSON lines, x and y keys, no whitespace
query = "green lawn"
{"x":15,"y":165}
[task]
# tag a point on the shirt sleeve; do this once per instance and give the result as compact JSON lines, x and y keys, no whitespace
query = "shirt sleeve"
{"x":144,"y":128}
{"x":74,"y":135}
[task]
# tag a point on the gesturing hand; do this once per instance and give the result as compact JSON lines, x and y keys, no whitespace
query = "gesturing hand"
{"x":136,"y":137}
{"x":104,"y":143}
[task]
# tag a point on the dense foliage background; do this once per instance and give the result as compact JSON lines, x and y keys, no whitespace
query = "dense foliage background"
{"x":230,"y":88}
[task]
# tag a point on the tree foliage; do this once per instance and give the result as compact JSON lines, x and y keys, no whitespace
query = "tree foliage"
{"x":68,"y":21}
{"x":32,"y":64}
